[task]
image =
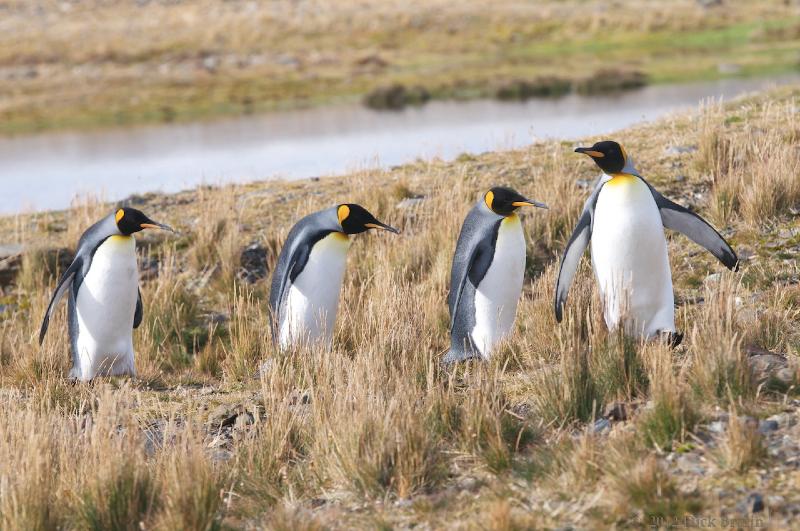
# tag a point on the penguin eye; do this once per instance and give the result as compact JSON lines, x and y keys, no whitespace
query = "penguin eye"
{"x":120,"y":214}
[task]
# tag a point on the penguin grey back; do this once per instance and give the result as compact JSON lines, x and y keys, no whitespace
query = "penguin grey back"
{"x":472,"y":258}
{"x":294,"y":255}
{"x":88,"y":243}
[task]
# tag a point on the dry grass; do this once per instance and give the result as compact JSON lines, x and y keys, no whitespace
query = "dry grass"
{"x":742,"y":447}
{"x":374,"y":432}
{"x":82,"y":64}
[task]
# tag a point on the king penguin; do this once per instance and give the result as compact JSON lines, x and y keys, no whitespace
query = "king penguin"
{"x":104,"y":304}
{"x":304,"y":295}
{"x":625,"y":218}
{"x":487,"y":274}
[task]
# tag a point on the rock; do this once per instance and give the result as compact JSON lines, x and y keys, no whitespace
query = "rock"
{"x":756,"y":502}
{"x":601,"y":426}
{"x":769,"y":367}
{"x":618,"y":411}
{"x":222,"y":416}
{"x":679,"y":150}
{"x":775,"y":501}
{"x":10,"y":263}
{"x":784,"y":420}
{"x":717,"y":426}
{"x":468,"y":483}
{"x":253,"y":263}
{"x":243,"y":421}
{"x":766,"y":426}
{"x":712,"y":278}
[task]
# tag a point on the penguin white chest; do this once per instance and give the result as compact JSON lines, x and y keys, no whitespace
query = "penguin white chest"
{"x":629,"y":257}
{"x":498,"y":293}
{"x":105,"y":307}
{"x":312,"y":301}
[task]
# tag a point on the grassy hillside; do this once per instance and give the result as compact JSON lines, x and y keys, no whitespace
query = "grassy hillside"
{"x":568,"y":425}
{"x":85,"y":64}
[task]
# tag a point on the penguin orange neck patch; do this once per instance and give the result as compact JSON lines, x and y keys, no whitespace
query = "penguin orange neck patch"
{"x":621,"y":179}
{"x":342,"y":212}
{"x":489,"y":198}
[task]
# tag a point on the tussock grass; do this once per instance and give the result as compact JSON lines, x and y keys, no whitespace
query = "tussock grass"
{"x":373,"y":431}
{"x":741,"y":446}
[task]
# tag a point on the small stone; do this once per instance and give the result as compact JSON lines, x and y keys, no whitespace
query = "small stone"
{"x":775,"y":502}
{"x":222,"y":416}
{"x":712,"y":278}
{"x":679,"y":150}
{"x":601,"y":426}
{"x":766,"y":426}
{"x":617,"y":411}
{"x":243,"y":421}
{"x":468,"y":483}
{"x":756,"y":502}
{"x":717,"y":427}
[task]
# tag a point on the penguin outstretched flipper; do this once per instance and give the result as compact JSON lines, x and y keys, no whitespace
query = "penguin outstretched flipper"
{"x":683,"y":220}
{"x":63,"y":285}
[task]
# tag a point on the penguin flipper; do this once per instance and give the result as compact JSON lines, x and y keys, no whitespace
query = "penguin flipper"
{"x":683,"y":220}
{"x":478,"y":264}
{"x":64,"y":283}
{"x":575,"y":247}
{"x":137,"y":316}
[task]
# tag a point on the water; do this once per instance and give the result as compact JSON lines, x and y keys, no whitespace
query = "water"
{"x":47,"y":171}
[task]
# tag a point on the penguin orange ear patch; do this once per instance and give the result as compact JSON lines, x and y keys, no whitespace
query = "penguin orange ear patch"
{"x":120,"y":214}
{"x":489,"y":198}
{"x":342,"y":213}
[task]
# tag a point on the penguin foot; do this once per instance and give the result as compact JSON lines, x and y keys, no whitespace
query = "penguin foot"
{"x":453,"y":357}
{"x":671,"y":338}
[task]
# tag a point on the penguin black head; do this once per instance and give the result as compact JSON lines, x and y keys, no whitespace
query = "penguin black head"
{"x":130,"y":220}
{"x":504,"y":201}
{"x":355,"y":219}
{"x":609,"y":155}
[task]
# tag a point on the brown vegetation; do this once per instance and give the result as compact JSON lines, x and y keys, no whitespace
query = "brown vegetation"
{"x":375,"y":433}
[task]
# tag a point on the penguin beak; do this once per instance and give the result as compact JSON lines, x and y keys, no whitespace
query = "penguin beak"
{"x":589,"y":151}
{"x":529,"y":202}
{"x":382,"y":226}
{"x":154,"y":225}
